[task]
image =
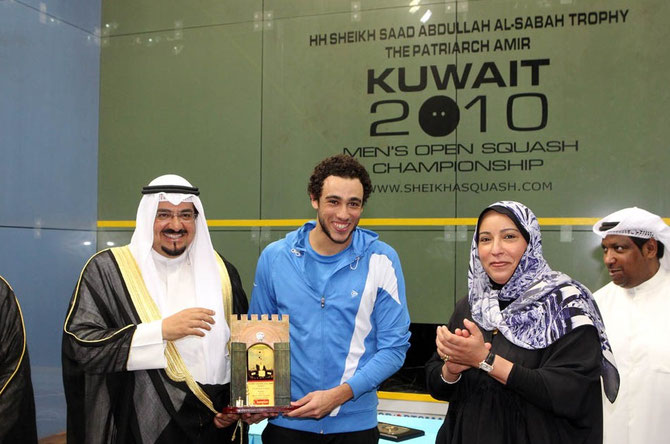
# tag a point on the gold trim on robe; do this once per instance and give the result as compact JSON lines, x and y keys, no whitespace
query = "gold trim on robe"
{"x":23,"y":328}
{"x":148,"y":311}
{"x":74,"y":303}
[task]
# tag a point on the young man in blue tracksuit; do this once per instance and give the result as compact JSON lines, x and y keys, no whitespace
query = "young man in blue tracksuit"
{"x":344,"y":291}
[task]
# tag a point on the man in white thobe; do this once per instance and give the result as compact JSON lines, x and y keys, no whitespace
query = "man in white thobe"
{"x":145,"y":339}
{"x":635,"y":307}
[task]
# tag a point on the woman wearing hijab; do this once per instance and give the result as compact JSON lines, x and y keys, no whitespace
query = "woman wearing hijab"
{"x":521,"y":359}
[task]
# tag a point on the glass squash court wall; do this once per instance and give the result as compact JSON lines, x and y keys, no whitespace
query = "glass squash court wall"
{"x":450,"y":105}
{"x":49,"y":78}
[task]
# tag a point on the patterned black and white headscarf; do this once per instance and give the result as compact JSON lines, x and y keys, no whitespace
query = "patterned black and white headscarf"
{"x":545,"y":304}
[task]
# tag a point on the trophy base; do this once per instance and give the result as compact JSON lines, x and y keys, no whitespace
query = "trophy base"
{"x":253,"y":410}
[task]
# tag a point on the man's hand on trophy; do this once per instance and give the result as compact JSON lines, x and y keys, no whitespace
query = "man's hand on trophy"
{"x":319,"y":403}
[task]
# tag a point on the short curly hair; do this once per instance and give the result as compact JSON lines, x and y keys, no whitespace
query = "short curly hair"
{"x":340,"y":165}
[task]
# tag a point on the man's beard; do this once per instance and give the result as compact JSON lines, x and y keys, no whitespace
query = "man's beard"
{"x":327,"y":232}
{"x":174,"y":251}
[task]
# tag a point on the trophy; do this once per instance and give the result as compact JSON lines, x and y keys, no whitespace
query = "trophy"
{"x":260,"y":358}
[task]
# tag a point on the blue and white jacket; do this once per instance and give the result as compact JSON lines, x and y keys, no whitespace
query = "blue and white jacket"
{"x":356,"y":332}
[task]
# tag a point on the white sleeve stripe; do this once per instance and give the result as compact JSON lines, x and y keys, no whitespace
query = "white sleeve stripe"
{"x":381,"y":274}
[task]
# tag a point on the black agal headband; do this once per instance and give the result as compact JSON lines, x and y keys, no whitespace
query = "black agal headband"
{"x":170,"y":189}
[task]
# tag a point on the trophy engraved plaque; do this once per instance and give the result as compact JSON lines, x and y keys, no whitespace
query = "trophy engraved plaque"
{"x":260,"y":361}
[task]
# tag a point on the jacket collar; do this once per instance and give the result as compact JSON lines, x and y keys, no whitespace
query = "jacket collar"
{"x":361,"y":240}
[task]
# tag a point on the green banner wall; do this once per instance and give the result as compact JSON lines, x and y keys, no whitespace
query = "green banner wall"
{"x":450,"y":105}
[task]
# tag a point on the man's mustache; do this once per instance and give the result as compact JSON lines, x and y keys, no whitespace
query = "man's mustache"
{"x":171,"y":231}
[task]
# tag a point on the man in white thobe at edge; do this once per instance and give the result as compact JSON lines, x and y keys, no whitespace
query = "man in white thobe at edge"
{"x":635,"y":307}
